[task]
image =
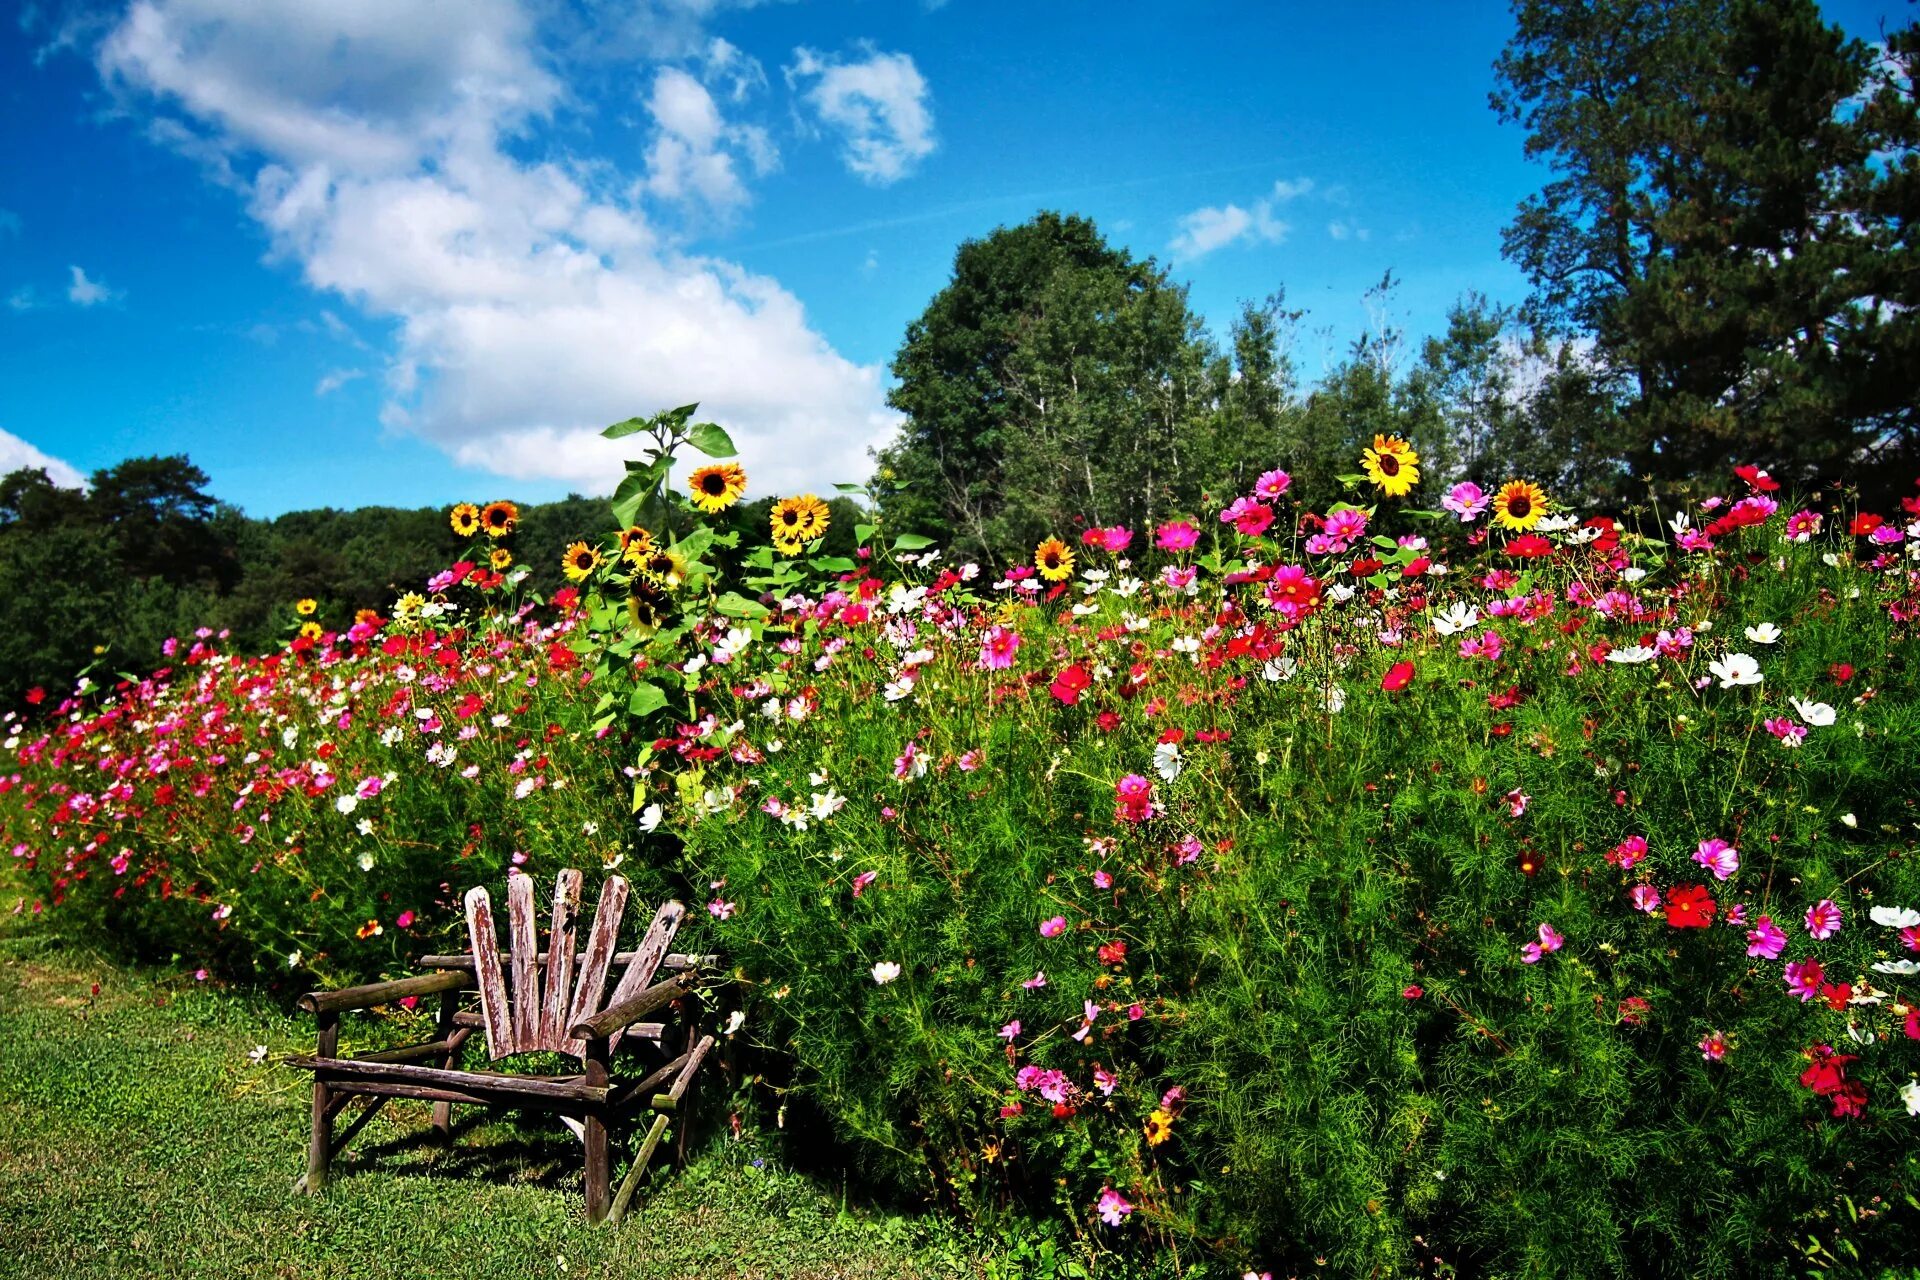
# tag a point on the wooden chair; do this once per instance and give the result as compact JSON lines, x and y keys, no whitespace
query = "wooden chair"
{"x":570,"y":1013}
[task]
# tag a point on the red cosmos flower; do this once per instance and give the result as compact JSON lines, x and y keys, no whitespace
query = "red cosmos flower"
{"x":1690,"y":907}
{"x":36,"y":696}
{"x":1841,"y":672}
{"x":1529,"y":546}
{"x":1414,"y":568}
{"x":1412,"y":991}
{"x":1865,"y":523}
{"x":1070,"y":684}
{"x":1114,"y":953}
{"x":565,"y":598}
{"x":1108,"y":721}
{"x":1609,"y":540}
{"x":1760,"y":480}
{"x":1365,"y":565}
{"x":1397,"y":678}
{"x":1828,"y":1074}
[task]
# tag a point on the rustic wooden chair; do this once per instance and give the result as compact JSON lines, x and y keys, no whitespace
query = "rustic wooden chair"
{"x":570,"y":1014}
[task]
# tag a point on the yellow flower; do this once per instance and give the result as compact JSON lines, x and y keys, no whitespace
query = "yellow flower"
{"x":465,"y":519}
{"x":717,"y":486}
{"x":1054,"y":559}
{"x":646,"y":606}
{"x":1392,"y":466}
{"x":636,"y":544}
{"x":409,"y":605}
{"x":310,"y":630}
{"x":499,"y":518}
{"x":665,"y":568}
{"x":501,"y":559}
{"x":370,"y":929}
{"x":1159,"y":1127}
{"x":367,"y":617}
{"x":1519,"y":505}
{"x":580,"y":561}
{"x":799,"y":520}
{"x":306,"y":607}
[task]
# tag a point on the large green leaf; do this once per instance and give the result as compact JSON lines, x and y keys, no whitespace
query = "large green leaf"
{"x":911,"y":542}
{"x":711,"y":439}
{"x":645,"y":699}
{"x":632,"y":426}
{"x":735,"y":605}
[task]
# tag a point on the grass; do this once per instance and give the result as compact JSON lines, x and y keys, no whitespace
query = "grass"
{"x":138,"y":1139}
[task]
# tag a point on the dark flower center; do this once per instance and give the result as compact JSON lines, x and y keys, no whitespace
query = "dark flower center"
{"x":714,"y":484}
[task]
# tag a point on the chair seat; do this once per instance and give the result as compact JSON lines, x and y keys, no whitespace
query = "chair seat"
{"x":352,"y":1073}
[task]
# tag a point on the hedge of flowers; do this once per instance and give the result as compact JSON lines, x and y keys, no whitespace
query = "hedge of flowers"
{"x":1374,"y":888}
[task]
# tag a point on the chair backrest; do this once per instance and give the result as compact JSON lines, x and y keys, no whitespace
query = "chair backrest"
{"x":529,"y":1014}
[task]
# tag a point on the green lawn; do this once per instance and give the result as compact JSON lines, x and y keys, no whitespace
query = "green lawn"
{"x":138,"y":1139}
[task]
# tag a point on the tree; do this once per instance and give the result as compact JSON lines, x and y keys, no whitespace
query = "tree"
{"x":1720,"y":221}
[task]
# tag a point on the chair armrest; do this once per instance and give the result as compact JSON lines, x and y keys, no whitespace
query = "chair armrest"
{"x":629,"y":1011}
{"x":383,"y":992}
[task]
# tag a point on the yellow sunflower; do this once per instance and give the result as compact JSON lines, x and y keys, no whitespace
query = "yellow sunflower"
{"x":311,"y":630}
{"x":717,"y":486}
{"x":465,"y":519}
{"x":665,"y":568}
{"x":646,"y":606}
{"x":1159,"y":1127}
{"x":499,"y":518}
{"x":580,"y":561}
{"x":1054,"y":559}
{"x":1519,"y":505}
{"x":636,"y":544}
{"x":500,"y":559}
{"x":1392,"y":466}
{"x":799,"y":520}
{"x":306,"y":606}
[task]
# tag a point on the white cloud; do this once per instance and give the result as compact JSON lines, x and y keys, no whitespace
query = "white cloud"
{"x":334,"y":379}
{"x":22,"y":299}
{"x":1342,"y":230}
{"x":880,"y":106}
{"x":689,"y":158}
{"x":532,"y":299}
{"x":16,"y":453}
{"x":1215,"y":227}
{"x":83,"y":292}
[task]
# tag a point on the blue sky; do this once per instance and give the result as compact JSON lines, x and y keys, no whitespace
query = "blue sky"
{"x":353,"y":252}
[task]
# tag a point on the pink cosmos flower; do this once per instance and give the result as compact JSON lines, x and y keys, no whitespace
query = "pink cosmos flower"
{"x":1765,"y":939}
{"x":1823,"y":919}
{"x":1104,"y":1080}
{"x":1628,"y":852}
{"x":1133,"y":796}
{"x":720,"y":910}
{"x":861,"y":881}
{"x":1465,"y":500}
{"x":1346,"y":524}
{"x":1517,"y":802}
{"x":997,"y":648}
{"x":1011,"y":1030}
{"x":1644,"y":898}
{"x":1249,"y":517}
{"x":1719,"y":857}
{"x":1178,"y":577}
{"x":1550,"y":941}
{"x":1114,"y":1207}
{"x":1037,"y":981}
{"x":1116,"y":538}
{"x":1271,"y":484}
{"x":1789,"y":733}
{"x":1176,"y":535}
{"x":1053,"y":928}
{"x":1802,"y":525}
{"x":1713,"y":1046}
{"x":1102,"y":880}
{"x":404,"y":920}
{"x":1804,"y":978}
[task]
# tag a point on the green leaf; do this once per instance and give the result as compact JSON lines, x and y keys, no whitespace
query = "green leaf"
{"x":631,"y":426}
{"x":1385,"y":543}
{"x":833,"y":564}
{"x":858,"y":490}
{"x":911,"y":542}
{"x":735,"y":605}
{"x":645,"y":699}
{"x":711,"y":440}
{"x":861,"y":532}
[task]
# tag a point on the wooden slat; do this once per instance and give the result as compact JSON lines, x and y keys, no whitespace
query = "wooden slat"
{"x":639,"y":972}
{"x":526,"y":963}
{"x":670,"y":1100}
{"x":494,"y":1011}
{"x":348,"y":1072}
{"x":676,"y":960}
{"x":620,"y":1015}
{"x":556,"y":1005}
{"x":639,"y":1030}
{"x":380,"y":992}
{"x":592,"y":983}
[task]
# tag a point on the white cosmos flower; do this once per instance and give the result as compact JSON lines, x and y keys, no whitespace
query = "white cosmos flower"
{"x":1817,"y":714}
{"x":1166,"y":761}
{"x":1736,"y":669}
{"x":1336,"y":698}
{"x":1904,"y":968}
{"x":1278,"y":669}
{"x":1895,"y":917}
{"x":1763,"y":633}
{"x":1631,"y":655}
{"x":1910,"y":1094}
{"x":1633,"y":573}
{"x":650,"y":817}
{"x":1457,"y":616}
{"x":347,"y":803}
{"x":826,"y":803}
{"x":886,"y":971}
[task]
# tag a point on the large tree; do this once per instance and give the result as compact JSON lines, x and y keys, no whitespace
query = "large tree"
{"x":1726,"y":222}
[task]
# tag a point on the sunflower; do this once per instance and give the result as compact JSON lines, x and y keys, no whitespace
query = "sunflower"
{"x":310,"y":630}
{"x":717,"y":486}
{"x":465,"y":519}
{"x":1159,"y":1126}
{"x":664,"y":568}
{"x":580,"y":561}
{"x":799,"y":520}
{"x":636,"y":544}
{"x":500,"y":559}
{"x":1392,"y":466}
{"x":646,"y":606}
{"x":306,"y":606}
{"x":1519,"y":505}
{"x":409,"y":606}
{"x":499,"y":518}
{"x":1054,"y":560}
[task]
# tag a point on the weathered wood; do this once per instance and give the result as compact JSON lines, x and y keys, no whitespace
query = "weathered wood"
{"x":670,"y":1100}
{"x":630,"y":1093}
{"x":674,"y":960}
{"x":639,"y":1030}
{"x":592,"y":983}
{"x":617,"y":1017}
{"x":359,"y":1122}
{"x":599,"y":1170}
{"x":557,"y":1002}
{"x":641,"y":1159}
{"x":653,"y":948}
{"x":349,"y":1071}
{"x":526,"y":962}
{"x":320,"y":1136}
{"x":455,"y":1038}
{"x":430,"y":1049}
{"x":487,"y":976}
{"x":381,"y":992}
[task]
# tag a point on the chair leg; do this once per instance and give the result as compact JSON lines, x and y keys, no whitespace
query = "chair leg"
{"x":320,"y":1137}
{"x":443,"y":1111}
{"x":599,"y":1166}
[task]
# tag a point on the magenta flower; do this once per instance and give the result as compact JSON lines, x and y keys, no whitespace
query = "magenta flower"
{"x":1644,"y":897}
{"x":1114,"y":1207}
{"x":1011,"y":1030}
{"x":1517,"y":802}
{"x":1550,"y":941}
{"x":1176,"y":535}
{"x":1823,"y":919}
{"x":1102,"y":880}
{"x":404,"y":920}
{"x":1804,"y":978}
{"x":1053,"y":928}
{"x":1271,"y":484}
{"x":861,"y":881}
{"x":1766,"y":940}
{"x":1116,"y":538}
{"x":1786,"y":730}
{"x":1104,"y":1080}
{"x":1248,"y":516}
{"x":997,"y":648}
{"x":1037,"y":981}
{"x":1466,"y":500}
{"x":1628,"y":852}
{"x":1346,"y":525}
{"x":1719,"y":857}
{"x":1133,"y":797}
{"x":1713,"y":1046}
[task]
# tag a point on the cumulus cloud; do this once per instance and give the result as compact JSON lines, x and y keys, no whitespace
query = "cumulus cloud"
{"x":1215,"y":227}
{"x":16,"y":453}
{"x":692,"y":156}
{"x":880,"y":106}
{"x":533,"y":298}
{"x":83,"y":292}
